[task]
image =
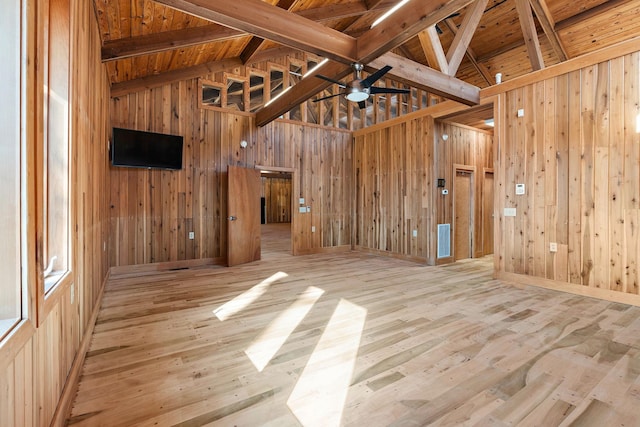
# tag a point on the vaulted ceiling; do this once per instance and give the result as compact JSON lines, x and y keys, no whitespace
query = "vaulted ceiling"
{"x":451,"y":47}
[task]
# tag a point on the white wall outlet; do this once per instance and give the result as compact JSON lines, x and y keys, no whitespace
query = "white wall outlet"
{"x":521,"y":112}
{"x":445,"y":192}
{"x":509,"y":211}
{"x":301,"y":201}
{"x":192,"y":235}
{"x":519,"y":189}
{"x":313,"y":228}
{"x":415,"y":233}
{"x":553,"y":247}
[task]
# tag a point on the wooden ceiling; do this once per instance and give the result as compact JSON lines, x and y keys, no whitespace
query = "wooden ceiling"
{"x":143,"y":38}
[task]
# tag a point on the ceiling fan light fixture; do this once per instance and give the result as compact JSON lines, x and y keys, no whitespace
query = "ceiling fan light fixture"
{"x":357,"y":96}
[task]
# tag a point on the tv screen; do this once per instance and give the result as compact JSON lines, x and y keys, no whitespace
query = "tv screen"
{"x":139,"y":149}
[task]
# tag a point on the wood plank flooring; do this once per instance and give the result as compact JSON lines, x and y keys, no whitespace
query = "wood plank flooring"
{"x":354,"y":339}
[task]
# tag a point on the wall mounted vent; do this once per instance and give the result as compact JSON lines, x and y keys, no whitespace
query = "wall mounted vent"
{"x":444,"y":240}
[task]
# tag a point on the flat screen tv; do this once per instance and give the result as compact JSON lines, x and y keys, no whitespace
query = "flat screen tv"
{"x":139,"y":149}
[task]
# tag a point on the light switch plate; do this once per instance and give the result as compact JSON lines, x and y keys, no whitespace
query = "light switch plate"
{"x":509,"y":211}
{"x":313,"y":228}
{"x":192,"y":235}
{"x":415,"y":233}
{"x":521,"y":112}
{"x":553,"y":247}
{"x":302,"y":209}
{"x":302,"y":200}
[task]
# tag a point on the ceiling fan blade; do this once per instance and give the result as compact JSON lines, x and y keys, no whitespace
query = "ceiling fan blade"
{"x":376,"y":76}
{"x":329,"y":79}
{"x":362,"y":105}
{"x":375,"y":90}
{"x":326,"y":97}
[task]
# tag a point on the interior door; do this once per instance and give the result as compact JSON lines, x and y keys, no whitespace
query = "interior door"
{"x":243,"y":220}
{"x":463,"y":243}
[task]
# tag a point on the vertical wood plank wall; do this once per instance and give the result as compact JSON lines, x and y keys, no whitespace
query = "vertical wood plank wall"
{"x":395,"y":169}
{"x":277,"y":194}
{"x":153,"y":211}
{"x":577,"y":150}
{"x":34,"y":365}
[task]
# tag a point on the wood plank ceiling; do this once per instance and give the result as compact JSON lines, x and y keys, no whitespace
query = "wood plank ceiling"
{"x":450,"y":46}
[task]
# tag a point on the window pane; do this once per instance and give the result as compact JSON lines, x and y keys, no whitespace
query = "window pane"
{"x":256,"y":92}
{"x":10,"y":284}
{"x":295,"y":75}
{"x":56,"y":189}
{"x":235,"y":94}
{"x":211,"y":95}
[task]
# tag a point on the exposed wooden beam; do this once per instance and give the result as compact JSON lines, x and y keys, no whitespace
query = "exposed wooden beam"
{"x":429,"y":79}
{"x":403,"y":25}
{"x":118,"y":89}
{"x":167,"y":40}
{"x":530,"y":34}
{"x":462,"y":39}
{"x":302,"y":91}
{"x":471,"y":55}
{"x":272,"y":23}
{"x":548,"y":26}
{"x":276,"y":52}
{"x":256,"y":43}
{"x":589,"y":13}
{"x":432,"y":48}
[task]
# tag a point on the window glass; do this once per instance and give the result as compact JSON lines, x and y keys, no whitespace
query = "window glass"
{"x":211,"y":95}
{"x":256,"y":91}
{"x":235,"y":94}
{"x":10,"y":108}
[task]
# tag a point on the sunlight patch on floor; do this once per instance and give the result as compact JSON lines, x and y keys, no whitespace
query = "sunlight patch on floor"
{"x":265,"y":346}
{"x":243,"y":300}
{"x":320,"y":394}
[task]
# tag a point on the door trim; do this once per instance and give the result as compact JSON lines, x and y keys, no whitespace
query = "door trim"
{"x":295,"y":192}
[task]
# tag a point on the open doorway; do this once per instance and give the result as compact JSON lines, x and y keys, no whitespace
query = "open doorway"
{"x":276,"y":212}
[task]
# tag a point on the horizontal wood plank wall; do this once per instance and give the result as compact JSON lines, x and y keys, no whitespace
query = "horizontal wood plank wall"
{"x":153,"y":211}
{"x":32,"y":381}
{"x":577,"y":150}
{"x":277,"y":194}
{"x":395,"y":172}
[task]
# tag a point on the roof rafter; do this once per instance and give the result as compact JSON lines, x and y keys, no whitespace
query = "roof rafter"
{"x":256,"y":43}
{"x":270,"y":22}
{"x":471,"y":55}
{"x":530,"y":34}
{"x":548,"y":26}
{"x":463,"y":37}
{"x":403,"y":25}
{"x":432,"y":48}
{"x":427,"y":78}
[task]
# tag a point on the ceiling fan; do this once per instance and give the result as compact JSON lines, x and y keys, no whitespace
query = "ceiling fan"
{"x":359,"y":89}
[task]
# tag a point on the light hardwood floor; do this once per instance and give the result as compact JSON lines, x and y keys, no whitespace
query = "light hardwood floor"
{"x":356,"y":340}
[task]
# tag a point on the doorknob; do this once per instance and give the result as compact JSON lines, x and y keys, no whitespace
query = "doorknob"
{"x":232,"y":218}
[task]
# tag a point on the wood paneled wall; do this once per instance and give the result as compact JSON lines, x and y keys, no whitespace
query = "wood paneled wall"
{"x":396,"y":168}
{"x":36,"y":363}
{"x":277,"y":194}
{"x":577,"y":151}
{"x":153,"y":211}
{"x":468,"y":149}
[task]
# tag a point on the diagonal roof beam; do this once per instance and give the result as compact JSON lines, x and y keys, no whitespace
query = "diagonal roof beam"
{"x":429,"y":79}
{"x":403,"y":25}
{"x":303,"y":90}
{"x":168,"y":40}
{"x":158,"y":42}
{"x":471,"y":55}
{"x":154,"y":80}
{"x":256,"y":43}
{"x":272,"y":23}
{"x":398,"y":28}
{"x":548,"y":26}
{"x":432,"y":48}
{"x":462,"y":39}
{"x":530,"y":34}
